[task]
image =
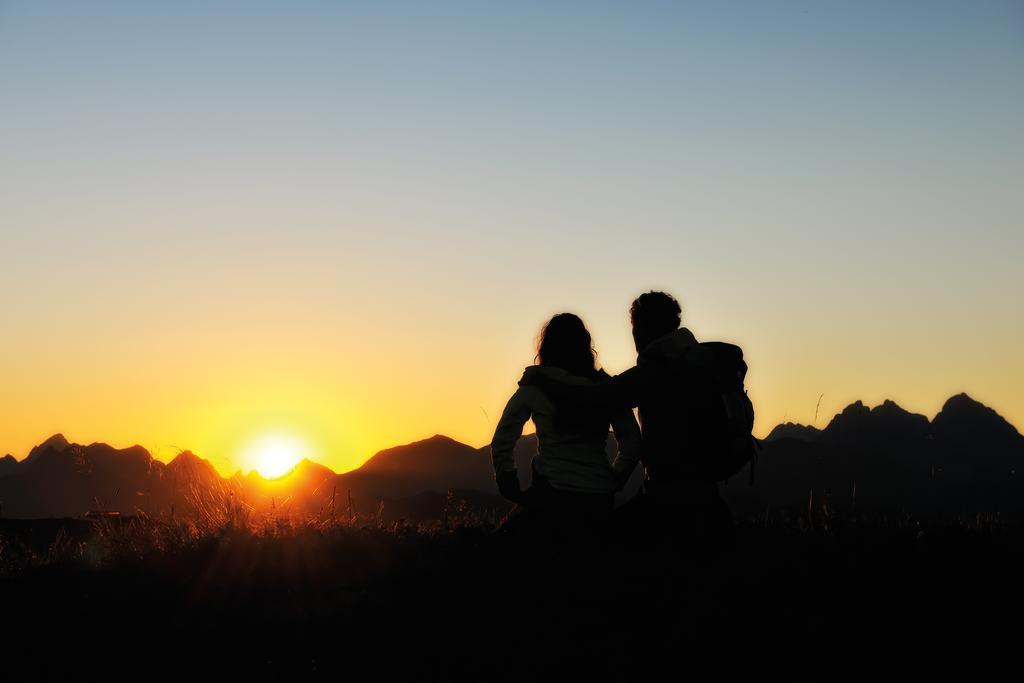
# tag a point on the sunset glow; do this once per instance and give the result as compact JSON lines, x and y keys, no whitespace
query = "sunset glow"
{"x":352,"y":220}
{"x":274,"y":456}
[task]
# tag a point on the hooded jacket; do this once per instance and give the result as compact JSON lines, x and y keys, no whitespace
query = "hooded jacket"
{"x":571,"y":455}
{"x":657,"y":387}
{"x":659,"y":394}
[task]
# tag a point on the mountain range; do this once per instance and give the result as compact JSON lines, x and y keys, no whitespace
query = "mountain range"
{"x":62,"y":479}
{"x":967,"y":459}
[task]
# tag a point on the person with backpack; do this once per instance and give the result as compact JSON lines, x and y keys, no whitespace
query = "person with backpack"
{"x":695,"y":420}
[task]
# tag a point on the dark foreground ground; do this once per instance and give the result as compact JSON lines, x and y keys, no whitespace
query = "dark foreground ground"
{"x":283,"y":601}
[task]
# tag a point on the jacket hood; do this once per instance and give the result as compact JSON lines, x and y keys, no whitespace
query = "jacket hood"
{"x":669,"y":348}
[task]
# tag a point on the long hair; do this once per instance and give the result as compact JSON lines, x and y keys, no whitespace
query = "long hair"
{"x":565,"y":343}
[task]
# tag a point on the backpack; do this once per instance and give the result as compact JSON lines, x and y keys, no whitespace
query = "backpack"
{"x":714,"y":374}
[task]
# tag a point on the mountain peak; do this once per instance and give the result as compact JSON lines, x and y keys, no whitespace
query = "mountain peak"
{"x":890,"y":407}
{"x":188,"y":466}
{"x":961,"y":401}
{"x":186,"y":457}
{"x":886,"y":427}
{"x":962,"y":406}
{"x":794,"y":430}
{"x":251,"y":475}
{"x":307,"y":464}
{"x":855,"y":408}
{"x":57,"y":442}
{"x":8,"y":464}
{"x":975,"y":426}
{"x":439,"y":438}
{"x":437,"y":463}
{"x":307,"y":468}
{"x":887,"y":408}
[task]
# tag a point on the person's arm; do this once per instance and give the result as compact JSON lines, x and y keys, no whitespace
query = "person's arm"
{"x":627,"y":437}
{"x":621,"y":392}
{"x":510,"y":428}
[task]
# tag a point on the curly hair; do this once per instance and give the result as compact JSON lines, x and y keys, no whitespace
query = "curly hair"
{"x":656,"y":313}
{"x":565,"y":343}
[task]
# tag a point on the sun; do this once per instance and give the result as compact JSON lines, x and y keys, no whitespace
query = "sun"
{"x":274,"y":455}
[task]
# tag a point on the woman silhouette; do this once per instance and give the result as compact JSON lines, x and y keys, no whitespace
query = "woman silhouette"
{"x":573,"y":481}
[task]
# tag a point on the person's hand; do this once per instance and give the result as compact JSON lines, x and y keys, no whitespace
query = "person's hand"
{"x":508,"y":486}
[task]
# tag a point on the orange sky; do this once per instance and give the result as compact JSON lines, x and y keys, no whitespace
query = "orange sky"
{"x":348,"y":224}
{"x":346,"y":392}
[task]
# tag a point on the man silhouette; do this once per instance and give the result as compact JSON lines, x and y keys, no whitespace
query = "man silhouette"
{"x":678,"y":499}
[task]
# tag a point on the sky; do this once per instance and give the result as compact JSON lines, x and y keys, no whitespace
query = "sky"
{"x":345,"y":223}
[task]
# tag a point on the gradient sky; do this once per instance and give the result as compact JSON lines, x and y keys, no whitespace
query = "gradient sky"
{"x":346,"y":222}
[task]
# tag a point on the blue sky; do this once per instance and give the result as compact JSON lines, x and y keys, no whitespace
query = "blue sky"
{"x":837,"y":186}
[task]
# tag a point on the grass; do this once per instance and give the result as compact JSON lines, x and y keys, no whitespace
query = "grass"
{"x":271,"y":596}
{"x":108,"y":541}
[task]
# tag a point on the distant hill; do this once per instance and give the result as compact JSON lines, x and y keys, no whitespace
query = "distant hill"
{"x":435,"y":464}
{"x":7,"y":464}
{"x":61,"y":479}
{"x":58,"y":479}
{"x":306,"y":490}
{"x":792,"y":430}
{"x":967,"y":459}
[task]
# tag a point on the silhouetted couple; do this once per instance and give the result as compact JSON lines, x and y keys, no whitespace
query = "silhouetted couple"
{"x":696,"y":421}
